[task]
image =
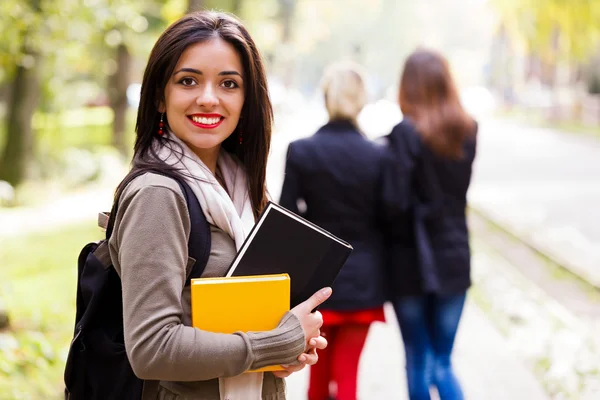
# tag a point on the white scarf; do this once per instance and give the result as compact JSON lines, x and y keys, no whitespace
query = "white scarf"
{"x":230,"y":212}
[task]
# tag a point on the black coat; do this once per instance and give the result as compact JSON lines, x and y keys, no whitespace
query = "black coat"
{"x":429,"y":238}
{"x":337,"y":173}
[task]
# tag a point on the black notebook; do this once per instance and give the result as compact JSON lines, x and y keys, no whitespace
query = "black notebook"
{"x":283,"y":242}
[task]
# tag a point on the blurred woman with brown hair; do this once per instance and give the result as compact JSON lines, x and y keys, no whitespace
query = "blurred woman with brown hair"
{"x":432,"y":150}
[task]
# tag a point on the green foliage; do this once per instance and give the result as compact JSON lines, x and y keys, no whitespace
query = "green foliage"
{"x":553,"y":29}
{"x":75,"y":39}
{"x":82,"y":127}
{"x":58,"y":134}
{"x":38,"y":288}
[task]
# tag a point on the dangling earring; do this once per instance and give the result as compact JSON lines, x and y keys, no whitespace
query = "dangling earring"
{"x":161,"y":124}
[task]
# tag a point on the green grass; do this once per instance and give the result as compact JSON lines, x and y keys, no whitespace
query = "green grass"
{"x":37,"y":285}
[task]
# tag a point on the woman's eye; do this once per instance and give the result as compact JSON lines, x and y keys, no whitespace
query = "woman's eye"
{"x":229,"y":84}
{"x":187,"y":82}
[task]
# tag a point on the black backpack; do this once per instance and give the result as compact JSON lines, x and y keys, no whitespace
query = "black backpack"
{"x":97,"y":366}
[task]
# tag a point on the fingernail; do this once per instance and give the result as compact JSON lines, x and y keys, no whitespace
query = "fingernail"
{"x":313,"y":342}
{"x":285,"y":365}
{"x":302,"y":358}
{"x":326,"y":291}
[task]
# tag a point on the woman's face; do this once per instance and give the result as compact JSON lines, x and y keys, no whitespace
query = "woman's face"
{"x":205,"y":95}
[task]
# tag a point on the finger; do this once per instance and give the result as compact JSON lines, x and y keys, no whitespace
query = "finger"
{"x":319,"y":342}
{"x":282,"y":374}
{"x":316,"y":299}
{"x":288,"y":370}
{"x":318,"y":332}
{"x":310,"y":358}
{"x":296,"y":367}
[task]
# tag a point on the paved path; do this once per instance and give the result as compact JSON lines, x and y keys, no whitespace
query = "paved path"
{"x":59,"y":211}
{"x":486,"y":366}
{"x":545,"y":187}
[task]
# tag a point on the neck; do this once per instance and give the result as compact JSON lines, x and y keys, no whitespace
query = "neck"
{"x":208,"y":156}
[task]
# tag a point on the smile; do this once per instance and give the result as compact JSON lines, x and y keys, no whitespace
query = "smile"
{"x":207,"y":121}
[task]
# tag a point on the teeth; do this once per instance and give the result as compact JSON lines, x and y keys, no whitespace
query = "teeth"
{"x":206,"y":121}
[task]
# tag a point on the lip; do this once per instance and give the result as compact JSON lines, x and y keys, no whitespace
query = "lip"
{"x":206,"y":126}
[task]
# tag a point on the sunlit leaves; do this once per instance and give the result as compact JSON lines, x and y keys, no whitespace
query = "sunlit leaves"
{"x":553,"y":28}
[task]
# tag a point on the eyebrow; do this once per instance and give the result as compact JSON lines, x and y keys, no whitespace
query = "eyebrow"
{"x":198,"y":72}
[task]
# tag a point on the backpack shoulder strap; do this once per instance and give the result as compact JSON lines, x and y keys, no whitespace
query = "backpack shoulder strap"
{"x":200,"y":239}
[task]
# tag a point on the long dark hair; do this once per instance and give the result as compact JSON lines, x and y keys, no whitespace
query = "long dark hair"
{"x":428,"y":96}
{"x":256,"y":117}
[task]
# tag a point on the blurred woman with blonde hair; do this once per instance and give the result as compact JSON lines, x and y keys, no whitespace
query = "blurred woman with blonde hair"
{"x":433,"y":150}
{"x":337,"y":174}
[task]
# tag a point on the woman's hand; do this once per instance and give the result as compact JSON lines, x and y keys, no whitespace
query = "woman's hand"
{"x":304,"y":359}
{"x":311,"y":322}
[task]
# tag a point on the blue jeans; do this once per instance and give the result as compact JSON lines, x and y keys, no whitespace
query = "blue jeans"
{"x":428,"y":324}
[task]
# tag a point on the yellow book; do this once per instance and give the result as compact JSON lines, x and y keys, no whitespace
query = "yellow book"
{"x":240,"y":303}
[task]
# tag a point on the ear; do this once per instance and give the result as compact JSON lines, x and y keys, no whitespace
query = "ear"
{"x":161,"y":107}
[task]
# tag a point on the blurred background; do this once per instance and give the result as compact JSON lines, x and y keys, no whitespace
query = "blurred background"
{"x":528,"y":70}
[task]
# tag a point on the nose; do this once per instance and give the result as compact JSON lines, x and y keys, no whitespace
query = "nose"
{"x":207,"y":97}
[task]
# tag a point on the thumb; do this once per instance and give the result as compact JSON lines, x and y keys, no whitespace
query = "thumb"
{"x":313,"y":301}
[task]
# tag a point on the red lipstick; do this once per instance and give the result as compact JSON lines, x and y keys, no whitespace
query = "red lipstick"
{"x":206,"y":121}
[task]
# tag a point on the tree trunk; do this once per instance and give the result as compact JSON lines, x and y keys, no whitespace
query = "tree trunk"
{"x":18,"y":150}
{"x":195,"y":5}
{"x":117,"y":92}
{"x":286,"y":13}
{"x":236,"y":8}
{"x":556,"y":109}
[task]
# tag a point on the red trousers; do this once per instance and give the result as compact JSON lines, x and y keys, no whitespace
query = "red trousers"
{"x":338,"y":362}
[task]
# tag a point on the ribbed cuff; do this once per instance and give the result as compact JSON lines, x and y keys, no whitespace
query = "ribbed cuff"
{"x":280,"y":346}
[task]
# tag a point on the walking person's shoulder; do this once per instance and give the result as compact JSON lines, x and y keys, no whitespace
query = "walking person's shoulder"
{"x":295,"y":148}
{"x":404,"y":138}
{"x":405,"y":129}
{"x":303,"y":147}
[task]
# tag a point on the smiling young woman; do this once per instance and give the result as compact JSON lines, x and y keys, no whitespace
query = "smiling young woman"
{"x":204,"y":97}
{"x":205,"y":119}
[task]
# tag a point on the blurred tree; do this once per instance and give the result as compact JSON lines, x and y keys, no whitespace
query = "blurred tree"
{"x":232,"y":6}
{"x":236,"y":7}
{"x":195,"y":5}
{"x":285,"y":19}
{"x":24,"y":86}
{"x":368,"y":32}
{"x":553,"y":31}
{"x":117,"y":86}
{"x":286,"y":15}
{"x":91,"y":51}
{"x":122,"y":23}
